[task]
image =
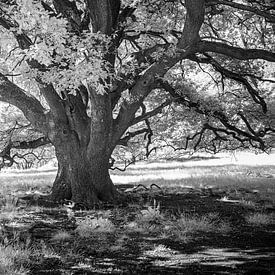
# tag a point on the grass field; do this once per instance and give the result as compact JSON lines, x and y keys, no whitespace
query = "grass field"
{"x":198,"y":216}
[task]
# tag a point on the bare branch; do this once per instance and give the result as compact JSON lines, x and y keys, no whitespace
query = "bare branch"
{"x":8,"y":159}
{"x":126,"y":164}
{"x":196,"y":138}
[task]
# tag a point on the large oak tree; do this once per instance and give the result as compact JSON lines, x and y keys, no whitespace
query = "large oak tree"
{"x":101,"y":70}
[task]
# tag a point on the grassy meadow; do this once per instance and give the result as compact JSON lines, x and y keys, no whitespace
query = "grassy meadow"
{"x":190,"y":216}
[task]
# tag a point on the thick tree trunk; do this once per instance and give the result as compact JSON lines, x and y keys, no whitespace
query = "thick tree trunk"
{"x":83,"y":174}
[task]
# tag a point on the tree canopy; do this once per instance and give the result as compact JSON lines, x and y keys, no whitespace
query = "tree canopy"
{"x":193,"y":73}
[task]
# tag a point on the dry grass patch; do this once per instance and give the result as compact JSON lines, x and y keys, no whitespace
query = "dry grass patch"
{"x":89,"y":226}
{"x":150,"y":217}
{"x":61,"y":236}
{"x":14,"y":260}
{"x":260,"y":219}
{"x":188,"y":226}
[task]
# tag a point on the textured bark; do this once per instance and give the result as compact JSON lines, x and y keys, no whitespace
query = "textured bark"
{"x":82,"y":150}
{"x":28,"y":104}
{"x":83,"y":176}
{"x":104,"y":15}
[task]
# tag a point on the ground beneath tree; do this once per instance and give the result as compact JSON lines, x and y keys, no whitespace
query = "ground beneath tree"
{"x":143,"y":235}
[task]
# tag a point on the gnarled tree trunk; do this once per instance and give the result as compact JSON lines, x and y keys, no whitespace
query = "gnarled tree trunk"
{"x":83,"y":176}
{"x":82,"y":146}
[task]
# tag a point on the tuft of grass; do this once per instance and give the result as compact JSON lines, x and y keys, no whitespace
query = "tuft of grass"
{"x":14,"y":260}
{"x":189,"y":225}
{"x":160,"y":251}
{"x":88,"y":226}
{"x":10,"y":202}
{"x":260,"y":219}
{"x":61,"y":236}
{"x":9,"y":207}
{"x":150,"y":218}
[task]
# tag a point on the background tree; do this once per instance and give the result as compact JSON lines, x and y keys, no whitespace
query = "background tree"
{"x":101,"y":71}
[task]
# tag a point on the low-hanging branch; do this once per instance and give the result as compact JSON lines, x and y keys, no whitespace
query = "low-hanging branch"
{"x":32,"y":144}
{"x":234,"y":76}
{"x":252,"y":135}
{"x":8,"y":159}
{"x":126,"y":164}
{"x":23,"y":145}
{"x":223,"y":137}
{"x":196,"y":138}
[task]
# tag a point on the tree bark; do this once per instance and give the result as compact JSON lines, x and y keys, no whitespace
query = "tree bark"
{"x":83,"y":151}
{"x":83,"y":176}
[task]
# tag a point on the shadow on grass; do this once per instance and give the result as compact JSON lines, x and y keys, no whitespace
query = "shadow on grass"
{"x":243,"y":250}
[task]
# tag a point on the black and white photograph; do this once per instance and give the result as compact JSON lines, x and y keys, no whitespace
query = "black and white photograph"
{"x":137,"y":137}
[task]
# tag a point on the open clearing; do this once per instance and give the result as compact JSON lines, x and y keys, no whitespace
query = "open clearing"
{"x":198,"y":216}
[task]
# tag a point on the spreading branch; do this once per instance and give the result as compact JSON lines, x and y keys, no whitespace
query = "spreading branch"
{"x":24,"y":42}
{"x":235,"y":52}
{"x":234,"y":76}
{"x":143,"y":86}
{"x":250,"y":136}
{"x":28,"y":104}
{"x":263,"y":13}
{"x":8,"y":159}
